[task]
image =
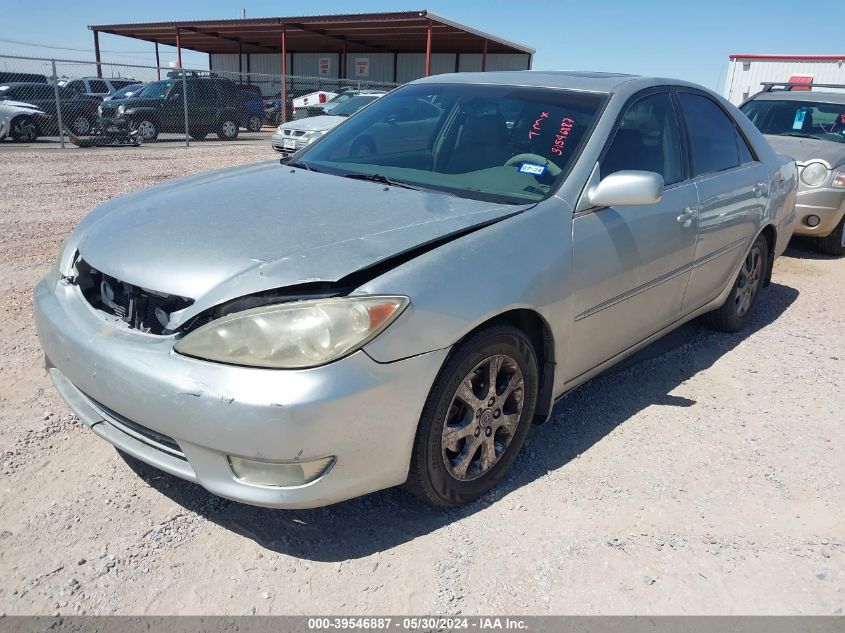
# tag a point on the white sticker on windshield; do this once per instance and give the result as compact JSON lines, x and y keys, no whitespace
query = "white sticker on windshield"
{"x":532,"y":168}
{"x":798,"y":123}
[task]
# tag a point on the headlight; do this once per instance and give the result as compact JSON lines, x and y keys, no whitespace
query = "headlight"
{"x":293,"y":335}
{"x":839,"y":179}
{"x":121,"y":109}
{"x":814,"y":174}
{"x":279,"y":130}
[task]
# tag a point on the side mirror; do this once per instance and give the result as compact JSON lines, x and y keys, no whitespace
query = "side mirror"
{"x":628,"y":188}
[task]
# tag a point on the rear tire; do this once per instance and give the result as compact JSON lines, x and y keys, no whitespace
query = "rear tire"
{"x":24,"y":129}
{"x":469,"y":434}
{"x":733,"y":314}
{"x":254,"y":124}
{"x":833,"y":244}
{"x":81,"y":125}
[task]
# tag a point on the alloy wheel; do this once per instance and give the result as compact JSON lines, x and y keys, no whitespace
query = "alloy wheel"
{"x":81,"y":126}
{"x":254,"y":124}
{"x":146,"y":130}
{"x":25,"y":130}
{"x":482,"y":417}
{"x":749,"y":280}
{"x":229,"y":129}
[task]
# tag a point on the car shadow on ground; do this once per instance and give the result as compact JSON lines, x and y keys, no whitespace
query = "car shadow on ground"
{"x":386,"y":519}
{"x":805,"y":248}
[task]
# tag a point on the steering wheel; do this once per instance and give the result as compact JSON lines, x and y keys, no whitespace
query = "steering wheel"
{"x":553,"y":169}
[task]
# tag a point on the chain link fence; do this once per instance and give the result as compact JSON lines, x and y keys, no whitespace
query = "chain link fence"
{"x":70,"y":103}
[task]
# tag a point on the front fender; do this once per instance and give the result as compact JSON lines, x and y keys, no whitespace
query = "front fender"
{"x":523,"y":262}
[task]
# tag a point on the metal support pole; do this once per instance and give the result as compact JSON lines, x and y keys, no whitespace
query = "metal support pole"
{"x":240,"y":63}
{"x":428,"y":51}
{"x":185,"y":106}
{"x":97,"y":53}
{"x":58,"y":104}
{"x":158,"y":64}
{"x":284,"y":74}
{"x":484,"y":57}
{"x":178,"y":48}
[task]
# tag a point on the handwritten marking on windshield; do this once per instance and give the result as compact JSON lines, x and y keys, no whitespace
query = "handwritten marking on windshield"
{"x":560,"y":138}
{"x":536,"y":128}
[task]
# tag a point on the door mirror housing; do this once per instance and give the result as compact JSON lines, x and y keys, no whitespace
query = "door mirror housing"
{"x":628,"y":188}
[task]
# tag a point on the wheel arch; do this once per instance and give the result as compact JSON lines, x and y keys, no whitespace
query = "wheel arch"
{"x":770,"y":233}
{"x":537,"y":329}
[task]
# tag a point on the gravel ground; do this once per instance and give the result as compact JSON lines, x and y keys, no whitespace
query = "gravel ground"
{"x":705,"y":476}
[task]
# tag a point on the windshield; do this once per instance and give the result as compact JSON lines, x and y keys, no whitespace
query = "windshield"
{"x":352,"y":106}
{"x":810,"y":119}
{"x":501,"y":143}
{"x":155,"y":90}
{"x":124,"y":91}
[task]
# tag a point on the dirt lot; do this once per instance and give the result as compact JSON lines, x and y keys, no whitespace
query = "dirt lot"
{"x":704,"y":477}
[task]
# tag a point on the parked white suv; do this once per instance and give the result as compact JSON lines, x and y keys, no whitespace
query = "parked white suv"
{"x":97,"y":86}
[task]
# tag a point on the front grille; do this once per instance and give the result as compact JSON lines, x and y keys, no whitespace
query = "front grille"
{"x":144,"y":310}
{"x":149,"y":437}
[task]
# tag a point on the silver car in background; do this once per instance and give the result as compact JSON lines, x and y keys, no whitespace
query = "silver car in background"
{"x":809,"y":126}
{"x":292,"y":335}
{"x":292,"y":136}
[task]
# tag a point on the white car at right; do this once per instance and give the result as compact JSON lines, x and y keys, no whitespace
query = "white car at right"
{"x":20,"y":121}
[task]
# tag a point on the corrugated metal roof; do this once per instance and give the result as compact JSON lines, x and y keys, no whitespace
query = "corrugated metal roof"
{"x":401,"y":31}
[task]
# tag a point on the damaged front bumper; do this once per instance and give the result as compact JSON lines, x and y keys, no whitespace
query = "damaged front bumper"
{"x":190,"y":417}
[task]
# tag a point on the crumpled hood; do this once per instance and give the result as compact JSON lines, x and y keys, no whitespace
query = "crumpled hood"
{"x":806,"y":149}
{"x":229,"y":233}
{"x":314,"y":123}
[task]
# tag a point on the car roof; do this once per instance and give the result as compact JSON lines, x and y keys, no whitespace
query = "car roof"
{"x":837,"y":98}
{"x":17,"y":84}
{"x":570,"y":79}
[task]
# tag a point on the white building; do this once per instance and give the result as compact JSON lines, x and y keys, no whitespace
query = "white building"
{"x":746,"y":73}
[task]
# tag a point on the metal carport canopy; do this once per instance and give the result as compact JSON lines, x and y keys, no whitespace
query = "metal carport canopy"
{"x":406,"y":31}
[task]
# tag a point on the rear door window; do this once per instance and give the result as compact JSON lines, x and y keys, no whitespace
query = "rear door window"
{"x":202,"y":92}
{"x":98,"y":87}
{"x":712,"y":134}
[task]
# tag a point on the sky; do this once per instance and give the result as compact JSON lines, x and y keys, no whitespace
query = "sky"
{"x":680,"y":39}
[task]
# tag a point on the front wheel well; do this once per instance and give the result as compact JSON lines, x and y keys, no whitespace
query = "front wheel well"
{"x":539,"y":333}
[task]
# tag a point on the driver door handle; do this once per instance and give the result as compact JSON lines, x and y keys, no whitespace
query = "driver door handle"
{"x":687,"y":216}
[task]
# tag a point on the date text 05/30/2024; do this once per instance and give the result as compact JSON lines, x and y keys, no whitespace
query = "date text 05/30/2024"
{"x":418,"y":623}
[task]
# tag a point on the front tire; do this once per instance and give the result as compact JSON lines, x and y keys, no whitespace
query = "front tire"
{"x":227,"y":130}
{"x":475,"y":419}
{"x":833,"y":244}
{"x":147,"y":130}
{"x":733,"y":314}
{"x":24,"y":129}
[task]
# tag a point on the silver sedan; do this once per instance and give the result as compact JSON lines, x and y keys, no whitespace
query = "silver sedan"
{"x":292,"y":335}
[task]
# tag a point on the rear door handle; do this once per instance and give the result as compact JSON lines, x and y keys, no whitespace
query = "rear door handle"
{"x":687,"y":216}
